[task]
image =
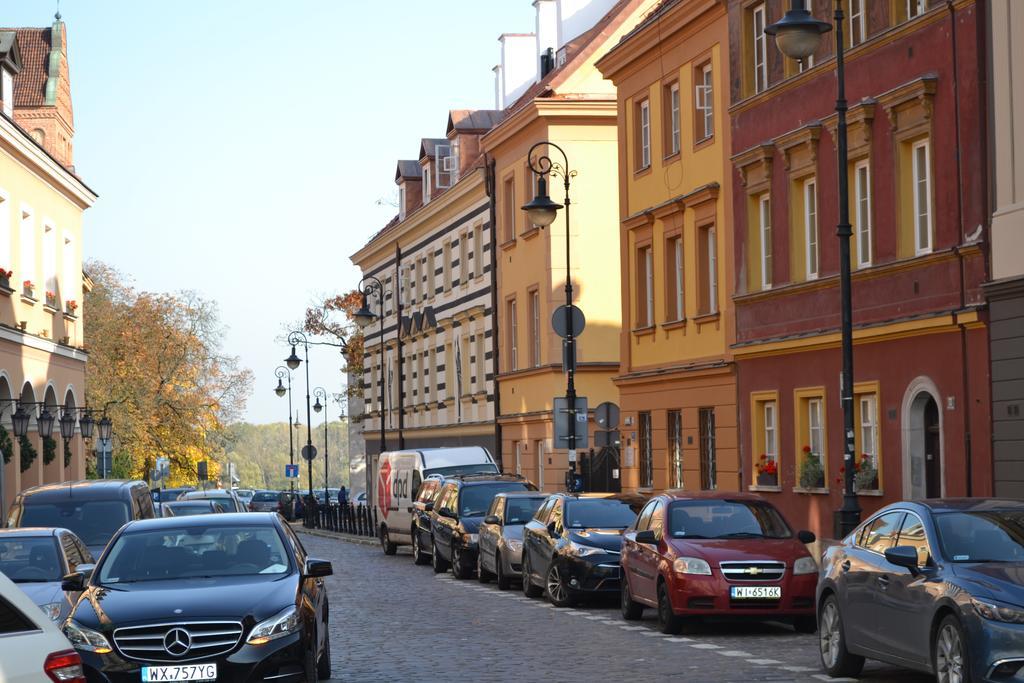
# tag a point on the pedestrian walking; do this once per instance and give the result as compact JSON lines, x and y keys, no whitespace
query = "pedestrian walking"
{"x":342,"y":496}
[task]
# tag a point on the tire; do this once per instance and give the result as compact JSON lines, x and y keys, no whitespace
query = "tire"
{"x":835,"y":658}
{"x":418,"y":556}
{"x":482,"y":575}
{"x":529,"y":590}
{"x":503,"y":581}
{"x":631,"y":611}
{"x":309,"y":670}
{"x":950,"y":657}
{"x":559,"y":593}
{"x":459,"y":569}
{"x":386,"y":545}
{"x":805,"y":624}
{"x":323,"y":664}
{"x":668,"y":621}
{"x":439,"y":564}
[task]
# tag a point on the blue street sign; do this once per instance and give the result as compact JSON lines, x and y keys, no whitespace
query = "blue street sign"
{"x":291,"y":471}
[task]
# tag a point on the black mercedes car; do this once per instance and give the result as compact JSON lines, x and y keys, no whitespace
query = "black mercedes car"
{"x":229,"y":597}
{"x":573,"y":545}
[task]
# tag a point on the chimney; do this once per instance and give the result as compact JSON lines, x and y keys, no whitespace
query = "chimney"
{"x":576,"y":17}
{"x":518,"y":65}
{"x":499,"y":87}
{"x":547,"y":34}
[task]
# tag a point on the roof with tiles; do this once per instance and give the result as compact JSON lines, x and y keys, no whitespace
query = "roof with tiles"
{"x":428,"y":146}
{"x":473,"y":120}
{"x":30,"y":83}
{"x":408,"y":169}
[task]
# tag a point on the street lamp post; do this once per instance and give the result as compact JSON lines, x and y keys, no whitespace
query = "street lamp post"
{"x":320,"y":392}
{"x":797,"y":35}
{"x":364,"y":317}
{"x":542,"y":211}
{"x":282,"y":373}
{"x":295,"y":338}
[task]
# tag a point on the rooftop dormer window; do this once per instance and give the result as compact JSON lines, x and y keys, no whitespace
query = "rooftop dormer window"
{"x":401,"y":202}
{"x":445,"y":164}
{"x":426,"y":183}
{"x":7,"y":91}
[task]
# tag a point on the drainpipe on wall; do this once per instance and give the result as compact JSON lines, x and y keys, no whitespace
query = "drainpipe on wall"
{"x":489,"y":180}
{"x":398,"y":342}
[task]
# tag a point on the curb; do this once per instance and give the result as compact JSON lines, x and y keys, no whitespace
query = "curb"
{"x":358,"y":540}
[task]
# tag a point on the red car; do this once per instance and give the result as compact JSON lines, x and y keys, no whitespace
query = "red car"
{"x":716,"y":554}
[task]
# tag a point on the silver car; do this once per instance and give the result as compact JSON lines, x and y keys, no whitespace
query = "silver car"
{"x":37,"y":559}
{"x":501,"y":536}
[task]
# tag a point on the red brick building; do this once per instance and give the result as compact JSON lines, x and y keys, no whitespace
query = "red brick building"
{"x":917,"y":152}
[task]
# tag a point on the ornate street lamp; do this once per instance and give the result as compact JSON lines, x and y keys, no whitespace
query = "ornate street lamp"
{"x":86,"y":424}
{"x":19,"y":422}
{"x":283,"y":373}
{"x":319,"y":392}
{"x":45,"y":422}
{"x":106,"y":427}
{"x":797,"y":35}
{"x":293,"y":362}
{"x":364,"y":317}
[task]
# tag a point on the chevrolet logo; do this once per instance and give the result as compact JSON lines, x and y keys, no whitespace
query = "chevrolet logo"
{"x":753,"y":571}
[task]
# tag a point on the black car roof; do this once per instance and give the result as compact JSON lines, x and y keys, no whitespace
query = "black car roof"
{"x":522,"y":494}
{"x":467,"y":479}
{"x":939,"y":505}
{"x":94,"y":489}
{"x":630,"y":498}
{"x":31,"y":531}
{"x":192,"y":501}
{"x":203,"y":521}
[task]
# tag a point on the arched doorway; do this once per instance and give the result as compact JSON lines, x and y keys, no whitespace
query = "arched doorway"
{"x":923,"y":462}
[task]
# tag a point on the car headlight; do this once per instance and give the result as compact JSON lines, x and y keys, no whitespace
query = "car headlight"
{"x":472,"y":538}
{"x":83,"y":638}
{"x":52,"y":610}
{"x":805,"y":565}
{"x":990,"y":610}
{"x":514,"y":545}
{"x":691,"y":565}
{"x":277,"y":626}
{"x":580,"y":550}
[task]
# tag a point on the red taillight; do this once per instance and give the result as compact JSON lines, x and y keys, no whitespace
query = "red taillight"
{"x":64,"y":667}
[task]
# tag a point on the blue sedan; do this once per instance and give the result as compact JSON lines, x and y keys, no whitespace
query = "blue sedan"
{"x":935,"y":585}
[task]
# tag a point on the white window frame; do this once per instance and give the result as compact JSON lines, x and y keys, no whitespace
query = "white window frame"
{"x":431,"y":274}
{"x":764,"y":213}
{"x":463,"y":259}
{"x":27,"y":239}
{"x":915,"y":8}
{"x":535,"y":304}
{"x":5,"y":230}
{"x":447,"y":265}
{"x":922,"y":180}
{"x":859,"y":18}
{"x":677,"y":247}
{"x":760,"y":49}
{"x":712,"y":270}
{"x":401,"y":201}
{"x":513,"y":329}
{"x":869,"y":425}
{"x":456,"y":161}
{"x":816,"y":428}
{"x":805,"y":64}
{"x":811,"y":261}
{"x":649,"y":279}
{"x":426,"y":184}
{"x":481,"y":362}
{"x":51,"y":282}
{"x":7,"y":91}
{"x":645,"y":134}
{"x":862,"y":202}
{"x":442,"y":169}
{"x":675,"y":118}
{"x":478,"y":250}
{"x":704,"y":97}
{"x":770,"y":414}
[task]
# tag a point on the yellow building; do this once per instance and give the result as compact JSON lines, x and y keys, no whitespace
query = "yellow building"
{"x":573,"y":106}
{"x":677,"y":382}
{"x":42,"y":359}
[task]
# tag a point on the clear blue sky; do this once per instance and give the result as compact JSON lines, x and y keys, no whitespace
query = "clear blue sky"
{"x":239,"y":148}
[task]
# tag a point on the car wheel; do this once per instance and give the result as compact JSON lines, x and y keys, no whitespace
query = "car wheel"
{"x":949,"y":653}
{"x":418,"y":556}
{"x":668,"y":621}
{"x":459,"y":568}
{"x":439,"y":564}
{"x":557,"y":587}
{"x":529,"y":590}
{"x":835,"y":658}
{"x":805,"y":624}
{"x":309,"y":672}
{"x":386,"y":545}
{"x":482,"y":575}
{"x":631,"y":611}
{"x":323,"y":665}
{"x":504,"y":582}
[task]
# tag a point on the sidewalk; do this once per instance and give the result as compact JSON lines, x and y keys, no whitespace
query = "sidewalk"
{"x":323,"y":533}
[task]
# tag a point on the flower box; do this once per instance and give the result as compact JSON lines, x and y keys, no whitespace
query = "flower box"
{"x":71,"y":307}
{"x":28,"y":289}
{"x":767,"y":479}
{"x":5,"y":278}
{"x":812,"y":472}
{"x":51,"y":299}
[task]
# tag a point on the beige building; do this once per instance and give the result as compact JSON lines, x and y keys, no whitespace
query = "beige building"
{"x":42,"y":359}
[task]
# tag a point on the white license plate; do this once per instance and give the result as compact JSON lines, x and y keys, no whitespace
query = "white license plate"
{"x":183,"y":672}
{"x":755,"y":592}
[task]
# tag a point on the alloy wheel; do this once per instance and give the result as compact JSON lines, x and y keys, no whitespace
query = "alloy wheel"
{"x":556,"y":588}
{"x":829,"y":634}
{"x":949,"y":655}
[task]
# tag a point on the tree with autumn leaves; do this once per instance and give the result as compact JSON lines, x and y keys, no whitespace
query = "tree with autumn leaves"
{"x":333,"y":319}
{"x":156,"y":367}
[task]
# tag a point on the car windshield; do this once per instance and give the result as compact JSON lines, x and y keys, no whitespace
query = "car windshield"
{"x":194,"y":552}
{"x":726,"y":519}
{"x":983,"y":536}
{"x":520,"y":510}
{"x":188,"y":509}
{"x":265,"y":497}
{"x":227,"y":501}
{"x":28,"y":560}
{"x":475,"y":468}
{"x":474,"y":500}
{"x":93,"y":521}
{"x":599,"y":513}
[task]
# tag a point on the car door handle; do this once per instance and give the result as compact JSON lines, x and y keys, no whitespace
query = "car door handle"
{"x":883,"y":581}
{"x":846,"y":566}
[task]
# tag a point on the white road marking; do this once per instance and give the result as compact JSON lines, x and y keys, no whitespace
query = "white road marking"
{"x":680,"y":640}
{"x":735,"y":653}
{"x":764,"y":662}
{"x":706,"y":646}
{"x":797,"y":669}
{"x":826,"y":677}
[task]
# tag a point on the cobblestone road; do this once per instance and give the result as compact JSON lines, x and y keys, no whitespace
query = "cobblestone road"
{"x":394,"y":621}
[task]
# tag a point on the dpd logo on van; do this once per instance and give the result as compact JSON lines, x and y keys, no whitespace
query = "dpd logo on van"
{"x":384,"y":489}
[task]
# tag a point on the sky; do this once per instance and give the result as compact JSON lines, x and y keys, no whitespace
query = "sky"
{"x":245,"y":150}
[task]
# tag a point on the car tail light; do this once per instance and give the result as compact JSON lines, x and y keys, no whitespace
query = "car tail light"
{"x":64,"y":667}
{"x":252,"y":508}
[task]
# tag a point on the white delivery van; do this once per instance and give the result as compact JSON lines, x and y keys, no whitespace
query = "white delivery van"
{"x":398,"y":478}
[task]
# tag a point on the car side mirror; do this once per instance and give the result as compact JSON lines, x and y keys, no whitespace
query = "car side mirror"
{"x":73,"y":582}
{"x":492,"y":519}
{"x":315,"y":568}
{"x":903,"y":556}
{"x":552,"y":529}
{"x":647,"y":537}
{"x":806,"y":537}
{"x":429,"y":507}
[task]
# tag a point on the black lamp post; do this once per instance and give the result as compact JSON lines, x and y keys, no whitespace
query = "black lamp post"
{"x":86,"y":423}
{"x":106,"y":428}
{"x":67,"y":428}
{"x":320,"y":392}
{"x":283,"y":373}
{"x":797,"y":35}
{"x":542,"y":211}
{"x":293,"y":362}
{"x":364,"y":317}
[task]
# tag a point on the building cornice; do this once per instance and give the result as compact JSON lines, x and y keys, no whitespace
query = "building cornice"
{"x":601,"y":110}
{"x":33,"y":342}
{"x":23,"y":148}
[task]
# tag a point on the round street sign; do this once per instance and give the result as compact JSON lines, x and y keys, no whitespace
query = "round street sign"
{"x":558,"y":321}
{"x":607,"y":415}
{"x":308,"y":452}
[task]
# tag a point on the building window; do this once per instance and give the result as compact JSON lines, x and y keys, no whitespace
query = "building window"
{"x":426,"y":183}
{"x":535,"y":328}
{"x":643,"y":133}
{"x":764,"y":214}
{"x":464,"y":273}
{"x":811,"y":228}
{"x":7,"y":92}
{"x":447,"y":266}
{"x":675,"y":446}
{"x":481,"y":363}
{"x":478,"y":250}
{"x":771,"y":435}
{"x":431,"y":274}
{"x":421,"y":379}
{"x":866,"y":473}
{"x":813,"y":458}
{"x":538,"y":448}
{"x":646,"y":452}
{"x":455,"y":162}
{"x":401,"y":202}
{"x":862,"y":199}
{"x":509,"y":198}
{"x":464,"y":351}
{"x":50,"y":259}
{"x":858,"y":22}
{"x":708,"y":456}
{"x":449,"y":371}
{"x":28,"y":245}
{"x":805,"y":64}
{"x":922,"y":198}
{"x":916,"y":8}
{"x":443,"y":170}
{"x":388,"y":297}
{"x":513,"y":335}
{"x":765,"y":431}
{"x":645,"y":287}
{"x":674,"y":277}
{"x":704,"y":102}
{"x":708,"y":270}
{"x":672,"y":118}
{"x":5,"y":231}
{"x":760,"y":50}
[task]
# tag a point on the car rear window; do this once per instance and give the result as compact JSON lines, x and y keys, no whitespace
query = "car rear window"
{"x":266,"y":497}
{"x":475,"y":468}
{"x":475,"y":499}
{"x":599,"y":513}
{"x":93,"y":521}
{"x":13,"y":620}
{"x":30,"y":560}
{"x":726,"y":519}
{"x":520,"y":510}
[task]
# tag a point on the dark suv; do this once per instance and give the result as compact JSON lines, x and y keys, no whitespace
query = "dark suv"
{"x":457,"y":514}
{"x":422,"y":514}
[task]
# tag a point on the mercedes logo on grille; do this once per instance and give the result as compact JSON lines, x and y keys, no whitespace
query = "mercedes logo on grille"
{"x":177,"y":642}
